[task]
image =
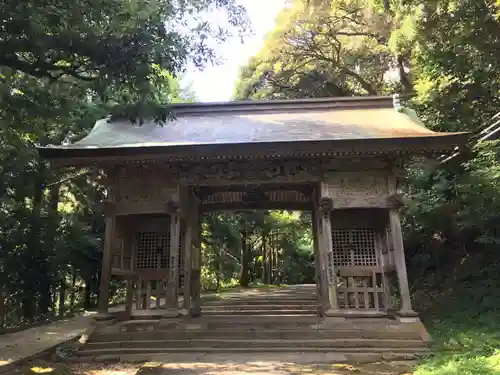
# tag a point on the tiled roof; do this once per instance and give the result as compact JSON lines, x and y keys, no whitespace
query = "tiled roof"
{"x":261,"y":122}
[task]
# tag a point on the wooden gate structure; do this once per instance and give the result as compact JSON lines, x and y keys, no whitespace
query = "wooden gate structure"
{"x":340,"y":158}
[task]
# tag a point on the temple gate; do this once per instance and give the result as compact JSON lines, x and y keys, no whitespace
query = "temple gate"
{"x":340,"y":158}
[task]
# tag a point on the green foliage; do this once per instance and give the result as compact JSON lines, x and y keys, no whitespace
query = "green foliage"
{"x":446,"y":51}
{"x":260,"y":246}
{"x":337,"y":48}
{"x":114,"y":45}
{"x":63,"y":66}
{"x":464,"y":346}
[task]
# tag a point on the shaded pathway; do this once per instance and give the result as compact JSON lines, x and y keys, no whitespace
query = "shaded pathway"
{"x":29,"y":342}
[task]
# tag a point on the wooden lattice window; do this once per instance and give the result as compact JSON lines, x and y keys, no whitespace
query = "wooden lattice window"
{"x":152,"y":249}
{"x":354,"y":247}
{"x":361,"y":292}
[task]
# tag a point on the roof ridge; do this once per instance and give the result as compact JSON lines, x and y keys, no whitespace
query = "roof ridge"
{"x":349,"y":102}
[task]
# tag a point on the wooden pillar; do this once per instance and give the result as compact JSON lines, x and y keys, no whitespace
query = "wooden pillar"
{"x":325,"y":208}
{"x":394,"y":204}
{"x":399,"y":259}
{"x":173,"y":270}
{"x":321,"y":283}
{"x":109,"y":237}
{"x":187,"y":264}
{"x":129,"y":297}
{"x":196,"y":267}
{"x":326,"y":241}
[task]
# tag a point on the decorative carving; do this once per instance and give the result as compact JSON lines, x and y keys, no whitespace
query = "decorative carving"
{"x":362,"y":185}
{"x":222,"y":173}
{"x":139,"y":191}
{"x":353,"y":163}
{"x":256,"y":196}
{"x":375,"y":202}
{"x":344,"y":202}
{"x":325,"y":205}
{"x":358,"y":190}
{"x":148,"y":188}
{"x":263,"y":195}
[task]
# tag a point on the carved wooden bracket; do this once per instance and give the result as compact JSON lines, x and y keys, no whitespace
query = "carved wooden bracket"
{"x":173,"y":207}
{"x":396,"y":202}
{"x":325,"y":204}
{"x":108,"y":208}
{"x":255,"y":196}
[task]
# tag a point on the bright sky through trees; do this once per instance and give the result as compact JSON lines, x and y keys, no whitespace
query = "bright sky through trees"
{"x":216,"y":83}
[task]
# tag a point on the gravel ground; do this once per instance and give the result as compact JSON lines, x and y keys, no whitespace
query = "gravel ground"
{"x":216,"y":365}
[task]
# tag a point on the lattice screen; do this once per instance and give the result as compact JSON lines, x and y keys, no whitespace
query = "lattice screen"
{"x":361,"y":292}
{"x":152,"y":249}
{"x":354,"y":247}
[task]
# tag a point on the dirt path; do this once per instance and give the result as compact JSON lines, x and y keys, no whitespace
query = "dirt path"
{"x":24,"y":344}
{"x":219,"y":365}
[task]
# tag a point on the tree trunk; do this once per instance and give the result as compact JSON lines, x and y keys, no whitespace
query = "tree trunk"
{"x":2,"y":306}
{"x":36,"y":279}
{"x":271,"y":260}
{"x":217,"y":271}
{"x":62,"y":298}
{"x":87,"y":298}
{"x":219,"y":265}
{"x":50,"y":239}
{"x":264,"y":258}
{"x":72,"y":297}
{"x":244,"y":281}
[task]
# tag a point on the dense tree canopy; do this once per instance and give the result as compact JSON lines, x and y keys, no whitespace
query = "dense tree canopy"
{"x":63,"y":65}
{"x":62,"y":68}
{"x":339,"y":48}
{"x":120,"y":48}
{"x":445,"y":53}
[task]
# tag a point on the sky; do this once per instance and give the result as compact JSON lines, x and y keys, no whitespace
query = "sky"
{"x":216,"y":83}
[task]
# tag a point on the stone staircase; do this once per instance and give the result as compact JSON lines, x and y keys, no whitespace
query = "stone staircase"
{"x":276,"y":320}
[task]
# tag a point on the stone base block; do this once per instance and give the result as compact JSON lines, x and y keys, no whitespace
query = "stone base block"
{"x":407,"y":317}
{"x":195,"y":312}
{"x":334,"y":316}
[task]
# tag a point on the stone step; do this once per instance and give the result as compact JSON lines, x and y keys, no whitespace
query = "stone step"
{"x":261,"y":325}
{"x":275,"y":308}
{"x":261,"y":298}
{"x":290,"y":334}
{"x":233,"y":322}
{"x":305,"y":358}
{"x":214,"y":326}
{"x":402,"y":352}
{"x":263,"y":311}
{"x":232,"y":302}
{"x":258,"y":343}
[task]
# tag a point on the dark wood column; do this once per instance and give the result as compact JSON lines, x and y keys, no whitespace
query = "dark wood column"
{"x":325,"y":210}
{"x":395,"y":202}
{"x":173,"y":272}
{"x":188,"y":243}
{"x":196,"y":267}
{"x":399,"y":259}
{"x":109,"y":239}
{"x":320,"y":269}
